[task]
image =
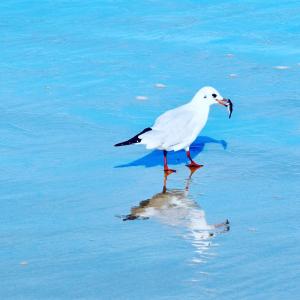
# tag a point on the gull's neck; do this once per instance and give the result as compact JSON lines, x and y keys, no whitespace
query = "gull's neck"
{"x":199,"y":104}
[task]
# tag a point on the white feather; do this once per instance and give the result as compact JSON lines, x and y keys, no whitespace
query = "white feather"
{"x":177,"y":129}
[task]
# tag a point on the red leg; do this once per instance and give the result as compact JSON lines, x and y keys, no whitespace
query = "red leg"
{"x":166,"y":168}
{"x":192,"y":164}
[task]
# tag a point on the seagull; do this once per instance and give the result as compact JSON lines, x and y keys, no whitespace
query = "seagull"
{"x":177,"y":129}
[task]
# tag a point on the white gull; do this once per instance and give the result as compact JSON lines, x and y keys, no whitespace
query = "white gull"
{"x":177,"y":129}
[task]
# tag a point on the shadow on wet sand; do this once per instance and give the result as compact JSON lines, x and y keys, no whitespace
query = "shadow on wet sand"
{"x":155,"y":158}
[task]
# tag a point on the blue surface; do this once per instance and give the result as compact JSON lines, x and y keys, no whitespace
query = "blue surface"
{"x":70,"y":73}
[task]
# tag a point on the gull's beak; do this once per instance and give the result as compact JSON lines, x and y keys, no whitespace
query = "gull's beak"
{"x":223,"y":102}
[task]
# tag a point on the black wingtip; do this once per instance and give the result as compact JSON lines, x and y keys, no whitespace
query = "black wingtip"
{"x":133,"y":140}
{"x":120,"y":144}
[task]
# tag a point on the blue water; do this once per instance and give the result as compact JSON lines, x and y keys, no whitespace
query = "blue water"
{"x":70,"y":72}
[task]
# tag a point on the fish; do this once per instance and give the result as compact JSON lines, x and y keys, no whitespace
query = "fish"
{"x":229,"y":107}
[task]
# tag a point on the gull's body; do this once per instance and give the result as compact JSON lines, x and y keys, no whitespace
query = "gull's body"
{"x":178,"y":128}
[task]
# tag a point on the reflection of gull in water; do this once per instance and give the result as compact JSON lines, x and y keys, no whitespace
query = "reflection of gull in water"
{"x":175,"y":208}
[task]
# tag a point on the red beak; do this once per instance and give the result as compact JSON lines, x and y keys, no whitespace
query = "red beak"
{"x":223,"y":102}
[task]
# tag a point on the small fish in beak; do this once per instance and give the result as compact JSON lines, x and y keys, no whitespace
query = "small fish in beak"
{"x":227,"y":103}
{"x":229,"y":107}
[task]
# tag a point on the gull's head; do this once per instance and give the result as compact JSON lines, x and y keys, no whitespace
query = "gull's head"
{"x":210,"y":95}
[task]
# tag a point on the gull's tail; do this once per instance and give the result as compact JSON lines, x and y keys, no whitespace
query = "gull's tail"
{"x":133,"y":140}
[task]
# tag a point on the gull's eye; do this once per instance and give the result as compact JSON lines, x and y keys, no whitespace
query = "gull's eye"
{"x":214,"y":95}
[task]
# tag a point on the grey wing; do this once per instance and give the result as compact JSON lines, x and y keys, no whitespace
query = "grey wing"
{"x":172,"y":130}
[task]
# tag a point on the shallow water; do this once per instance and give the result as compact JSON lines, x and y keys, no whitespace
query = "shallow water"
{"x":70,"y":74}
